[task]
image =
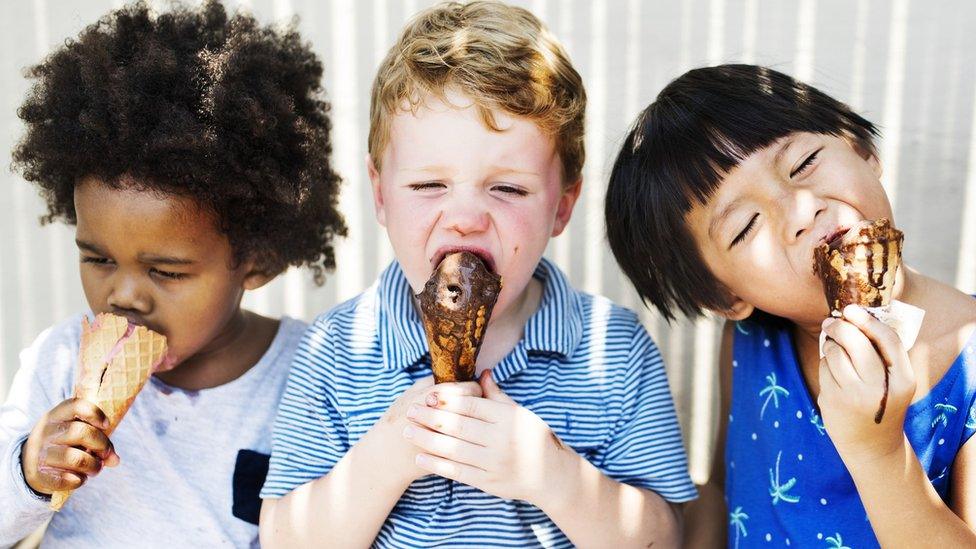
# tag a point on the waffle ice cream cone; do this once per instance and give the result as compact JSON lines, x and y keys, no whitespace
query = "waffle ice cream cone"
{"x":456,"y":305}
{"x":116,"y":360}
{"x":859,"y":267}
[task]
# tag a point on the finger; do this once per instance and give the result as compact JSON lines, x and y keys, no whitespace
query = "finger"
{"x":464,"y":388}
{"x":80,"y":409}
{"x":864,"y":357}
{"x":424,"y":382}
{"x":840,"y":365}
{"x":57,"y":480}
{"x":449,"y":423}
{"x":444,"y":446}
{"x":460,"y":472}
{"x":470,"y":406}
{"x":827,"y":380}
{"x":71,"y":459}
{"x":78,"y":433}
{"x":492,"y":390}
{"x":884,"y":339}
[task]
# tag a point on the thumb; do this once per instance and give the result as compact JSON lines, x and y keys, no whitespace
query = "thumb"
{"x":491,"y":389}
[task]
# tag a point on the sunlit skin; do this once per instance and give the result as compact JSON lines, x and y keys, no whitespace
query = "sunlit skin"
{"x":448,"y":182}
{"x":757,"y":234}
{"x":160,"y":261}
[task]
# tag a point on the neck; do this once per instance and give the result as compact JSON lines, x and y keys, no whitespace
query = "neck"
{"x":243,"y":340}
{"x":505,"y":331}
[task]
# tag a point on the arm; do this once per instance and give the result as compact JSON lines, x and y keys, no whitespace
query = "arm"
{"x":901,"y":503}
{"x":23,"y":510}
{"x":705,"y":518}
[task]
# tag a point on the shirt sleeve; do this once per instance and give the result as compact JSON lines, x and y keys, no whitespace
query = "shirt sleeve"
{"x":309,"y":436}
{"x":41,"y":382}
{"x":645,"y":448}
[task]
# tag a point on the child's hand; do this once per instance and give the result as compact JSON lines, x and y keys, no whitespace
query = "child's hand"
{"x":386,"y":433}
{"x":852,"y":385}
{"x":67,"y":446}
{"x":490,"y":443}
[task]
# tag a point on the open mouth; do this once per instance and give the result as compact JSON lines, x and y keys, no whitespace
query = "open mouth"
{"x":481,"y":253}
{"x":834,"y":238}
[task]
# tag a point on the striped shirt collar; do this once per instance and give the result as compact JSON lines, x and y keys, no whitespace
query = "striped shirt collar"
{"x":556,"y":327}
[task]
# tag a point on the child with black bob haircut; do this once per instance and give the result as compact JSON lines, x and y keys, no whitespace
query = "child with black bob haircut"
{"x":191,"y":150}
{"x":722,"y":190}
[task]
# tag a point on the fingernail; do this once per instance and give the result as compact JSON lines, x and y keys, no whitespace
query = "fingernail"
{"x":421,"y":460}
{"x":853,"y":311}
{"x":827,"y":322}
{"x":412,"y":411}
{"x":408,"y":431}
{"x":433,"y":399}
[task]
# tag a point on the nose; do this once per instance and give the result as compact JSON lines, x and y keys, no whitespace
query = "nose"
{"x":465,"y":214}
{"x":127,"y":296}
{"x":802,"y":212}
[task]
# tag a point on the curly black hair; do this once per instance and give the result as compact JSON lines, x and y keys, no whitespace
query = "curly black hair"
{"x":198,"y":104}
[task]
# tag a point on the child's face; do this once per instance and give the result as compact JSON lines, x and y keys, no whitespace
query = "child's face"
{"x":160,"y":261}
{"x":792,"y":196}
{"x":448,"y":182}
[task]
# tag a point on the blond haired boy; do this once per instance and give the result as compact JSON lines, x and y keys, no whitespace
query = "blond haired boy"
{"x":570,"y":436}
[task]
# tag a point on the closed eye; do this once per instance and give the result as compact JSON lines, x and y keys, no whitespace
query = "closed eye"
{"x":168,"y":274}
{"x":745,"y":232}
{"x":510,"y":189}
{"x":426,"y":185}
{"x":807,"y":162}
{"x":95,"y":260}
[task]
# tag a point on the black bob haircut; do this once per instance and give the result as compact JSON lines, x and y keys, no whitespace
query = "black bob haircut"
{"x":701,"y":126}
{"x":196,"y":104}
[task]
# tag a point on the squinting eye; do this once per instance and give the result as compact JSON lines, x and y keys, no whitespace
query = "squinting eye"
{"x":168,"y":274}
{"x":426,"y":185}
{"x":509,"y":189}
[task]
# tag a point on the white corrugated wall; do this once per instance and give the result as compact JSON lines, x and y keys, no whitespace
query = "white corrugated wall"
{"x":908,"y":65}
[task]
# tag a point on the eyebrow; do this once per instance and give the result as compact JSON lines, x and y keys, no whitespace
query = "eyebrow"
{"x":152,"y":259}
{"x":718,"y":219}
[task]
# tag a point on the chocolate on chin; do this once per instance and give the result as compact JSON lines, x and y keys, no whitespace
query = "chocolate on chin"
{"x":456,"y":305}
{"x":858,"y":268}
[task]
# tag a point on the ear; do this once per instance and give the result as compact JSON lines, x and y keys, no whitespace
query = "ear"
{"x":564,"y":208}
{"x":254,"y":275}
{"x":739,"y":310}
{"x":374,"y":179}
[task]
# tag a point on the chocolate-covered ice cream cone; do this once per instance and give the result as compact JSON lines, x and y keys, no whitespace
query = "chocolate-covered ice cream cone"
{"x":456,"y":305}
{"x":859,"y":266}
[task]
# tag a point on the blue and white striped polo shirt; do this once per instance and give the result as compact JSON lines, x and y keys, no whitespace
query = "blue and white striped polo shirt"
{"x":585,"y":366}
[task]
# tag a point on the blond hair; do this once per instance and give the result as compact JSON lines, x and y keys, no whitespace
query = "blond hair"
{"x":501,"y":57}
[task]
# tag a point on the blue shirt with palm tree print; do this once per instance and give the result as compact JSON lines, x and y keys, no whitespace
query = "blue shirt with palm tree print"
{"x":785,"y":484}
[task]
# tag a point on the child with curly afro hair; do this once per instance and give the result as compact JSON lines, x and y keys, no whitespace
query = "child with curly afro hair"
{"x":190,"y":149}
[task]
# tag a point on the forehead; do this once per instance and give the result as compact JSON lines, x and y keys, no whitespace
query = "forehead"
{"x":453,"y":133}
{"x":141,"y":218}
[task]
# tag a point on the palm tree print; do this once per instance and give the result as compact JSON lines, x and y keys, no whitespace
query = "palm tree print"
{"x":772,"y":392}
{"x":740,"y":325}
{"x":735,"y":520}
{"x":836,"y":542}
{"x":817,"y":422}
{"x":971,"y":422}
{"x":779,"y":491}
{"x":945,"y":410}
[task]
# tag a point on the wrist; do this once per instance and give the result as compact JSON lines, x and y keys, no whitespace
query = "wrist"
{"x":22,"y":469}
{"x":876,"y":457}
{"x":562,"y":489}
{"x":375,"y":453}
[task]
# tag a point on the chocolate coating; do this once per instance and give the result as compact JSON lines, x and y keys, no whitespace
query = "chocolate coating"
{"x":456,"y":305}
{"x":859,"y":268}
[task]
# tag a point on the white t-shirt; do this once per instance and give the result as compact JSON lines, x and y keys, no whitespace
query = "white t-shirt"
{"x":192,"y":462}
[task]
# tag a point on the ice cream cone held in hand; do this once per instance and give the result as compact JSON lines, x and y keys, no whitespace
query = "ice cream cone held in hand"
{"x":456,"y":305}
{"x":116,"y":359}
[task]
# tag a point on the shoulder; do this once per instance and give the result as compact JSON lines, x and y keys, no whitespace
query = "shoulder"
{"x":356,"y":315}
{"x":615,"y":335}
{"x":53,"y":355}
